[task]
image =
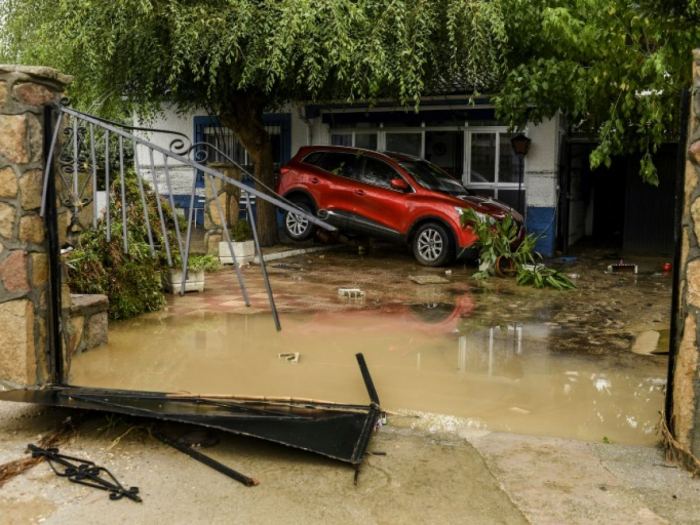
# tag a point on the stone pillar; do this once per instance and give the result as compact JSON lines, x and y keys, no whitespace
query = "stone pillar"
{"x":23,"y":260}
{"x":229,"y":198}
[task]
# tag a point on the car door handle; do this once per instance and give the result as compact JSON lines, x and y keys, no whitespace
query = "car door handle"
{"x":359,"y":192}
{"x":314,"y":180}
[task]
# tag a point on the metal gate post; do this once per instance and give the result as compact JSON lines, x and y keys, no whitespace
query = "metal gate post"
{"x":54,"y":314}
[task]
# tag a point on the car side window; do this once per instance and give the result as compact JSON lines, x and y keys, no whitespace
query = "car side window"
{"x":314,"y":158}
{"x":378,"y":173}
{"x":343,"y":164}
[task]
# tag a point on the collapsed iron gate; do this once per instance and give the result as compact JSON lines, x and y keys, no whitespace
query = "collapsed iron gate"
{"x":336,"y":430}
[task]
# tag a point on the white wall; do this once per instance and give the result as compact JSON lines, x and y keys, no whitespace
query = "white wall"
{"x":542,"y":164}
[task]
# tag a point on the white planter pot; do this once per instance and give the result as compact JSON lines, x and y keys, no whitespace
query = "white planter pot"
{"x":244,"y":252}
{"x":194,"y":282}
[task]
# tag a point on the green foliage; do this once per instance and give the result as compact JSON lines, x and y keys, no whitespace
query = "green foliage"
{"x":208,"y":263}
{"x":240,"y":231}
{"x":204,"y":52}
{"x":615,"y":69}
{"x":496,"y":239}
{"x":131,"y":281}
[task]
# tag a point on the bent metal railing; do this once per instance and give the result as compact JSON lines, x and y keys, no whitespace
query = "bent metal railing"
{"x":78,"y":167}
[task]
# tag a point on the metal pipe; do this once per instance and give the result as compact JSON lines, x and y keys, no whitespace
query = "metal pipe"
{"x":186,"y":252}
{"x":164,"y":230}
{"x":228,"y":241}
{"x":108,"y":189}
{"x":270,"y":297}
{"x":94,"y":176}
{"x":121,"y":171}
{"x":76,"y":195}
{"x":49,"y":157}
{"x":172,"y":203}
{"x":142,"y":194}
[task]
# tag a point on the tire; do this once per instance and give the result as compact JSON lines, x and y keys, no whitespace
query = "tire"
{"x":432,"y":245}
{"x":297,"y":227}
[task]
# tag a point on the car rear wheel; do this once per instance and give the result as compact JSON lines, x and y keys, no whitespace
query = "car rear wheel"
{"x":432,"y":245}
{"x":297,"y":226}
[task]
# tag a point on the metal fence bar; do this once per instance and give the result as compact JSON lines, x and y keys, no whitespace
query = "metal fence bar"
{"x":172,"y":203}
{"x":186,"y":252}
{"x":163,"y":228}
{"x":121,"y":172}
{"x":94,"y":176}
{"x":108,"y":188}
{"x":228,"y":241}
{"x":75,"y":166}
{"x":49,"y":157}
{"x":142,"y":193}
{"x":270,"y":297}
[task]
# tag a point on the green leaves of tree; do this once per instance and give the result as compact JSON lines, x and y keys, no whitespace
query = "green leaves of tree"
{"x":613,"y":67}
{"x":202,"y":52}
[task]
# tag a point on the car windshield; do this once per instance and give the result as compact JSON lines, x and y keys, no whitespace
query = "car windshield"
{"x":431,"y":177}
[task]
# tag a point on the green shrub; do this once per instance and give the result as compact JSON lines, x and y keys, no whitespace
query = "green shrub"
{"x":131,"y":281}
{"x":241,"y":231}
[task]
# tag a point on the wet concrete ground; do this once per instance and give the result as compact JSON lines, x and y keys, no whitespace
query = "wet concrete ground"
{"x":468,"y":357}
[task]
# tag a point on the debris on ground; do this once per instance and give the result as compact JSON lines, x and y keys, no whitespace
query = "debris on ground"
{"x":291,"y":357}
{"x":84,"y":472}
{"x":622,"y":267}
{"x":14,"y":468}
{"x":428,"y":279}
{"x":352,"y":293}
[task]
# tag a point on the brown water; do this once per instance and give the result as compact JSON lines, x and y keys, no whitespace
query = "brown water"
{"x":422,"y":358}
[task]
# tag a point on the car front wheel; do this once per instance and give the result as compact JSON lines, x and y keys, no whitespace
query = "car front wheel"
{"x":432,"y":245}
{"x":297,"y":226}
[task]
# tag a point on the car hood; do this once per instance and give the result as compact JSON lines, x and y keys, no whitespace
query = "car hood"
{"x":486,"y":205}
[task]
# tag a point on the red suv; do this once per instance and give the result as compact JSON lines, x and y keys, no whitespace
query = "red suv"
{"x":385,"y":195}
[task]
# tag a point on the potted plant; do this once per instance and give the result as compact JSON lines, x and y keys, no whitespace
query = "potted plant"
{"x":242,"y":242}
{"x":197,"y":265}
{"x":497,"y":256}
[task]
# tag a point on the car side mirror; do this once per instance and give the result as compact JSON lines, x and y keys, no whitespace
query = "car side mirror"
{"x":399,"y":184}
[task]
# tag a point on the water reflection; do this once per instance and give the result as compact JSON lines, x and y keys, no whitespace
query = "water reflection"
{"x":431,"y":357}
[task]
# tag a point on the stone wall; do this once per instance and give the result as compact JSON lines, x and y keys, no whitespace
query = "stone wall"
{"x":23,"y":259}
{"x":229,"y":198}
{"x":686,"y":380}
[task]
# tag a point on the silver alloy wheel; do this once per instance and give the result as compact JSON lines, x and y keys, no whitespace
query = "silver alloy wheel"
{"x":430,"y":244}
{"x":296,"y":224}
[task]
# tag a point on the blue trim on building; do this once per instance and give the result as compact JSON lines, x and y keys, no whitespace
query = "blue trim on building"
{"x":541,"y":222}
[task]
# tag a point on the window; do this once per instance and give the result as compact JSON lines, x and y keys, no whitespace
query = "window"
{"x":355,"y":139}
{"x":366,"y":141}
{"x":446,"y":150}
{"x":408,"y":143}
{"x":493,"y":167}
{"x":341,"y":139}
{"x":314,"y":158}
{"x":378,"y":173}
{"x":343,"y":164}
{"x":431,"y":178}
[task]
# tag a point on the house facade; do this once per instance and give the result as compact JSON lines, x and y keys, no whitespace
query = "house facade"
{"x":461,"y":137}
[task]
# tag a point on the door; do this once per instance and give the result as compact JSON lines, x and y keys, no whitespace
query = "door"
{"x":382,"y":209}
{"x":333,"y":184}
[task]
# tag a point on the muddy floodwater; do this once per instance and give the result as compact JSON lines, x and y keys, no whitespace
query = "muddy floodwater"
{"x":426,"y":358}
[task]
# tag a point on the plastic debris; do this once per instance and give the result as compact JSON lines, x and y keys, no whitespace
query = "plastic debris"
{"x":352,"y":293}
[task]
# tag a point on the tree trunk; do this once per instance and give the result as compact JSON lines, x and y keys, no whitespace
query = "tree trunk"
{"x":243,"y":115}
